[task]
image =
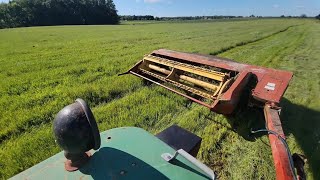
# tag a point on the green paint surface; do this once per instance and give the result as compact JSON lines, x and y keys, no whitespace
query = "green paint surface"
{"x":125,"y":153}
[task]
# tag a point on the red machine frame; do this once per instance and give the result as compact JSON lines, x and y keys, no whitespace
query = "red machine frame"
{"x":270,"y":85}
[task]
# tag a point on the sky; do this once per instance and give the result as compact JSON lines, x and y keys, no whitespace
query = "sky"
{"x":218,"y":7}
{"x":162,"y":8}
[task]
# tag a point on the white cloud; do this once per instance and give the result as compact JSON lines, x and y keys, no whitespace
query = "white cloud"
{"x":152,"y":1}
{"x":275,"y":6}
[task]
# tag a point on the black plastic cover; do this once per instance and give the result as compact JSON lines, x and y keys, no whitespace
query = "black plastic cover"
{"x":179,"y":138}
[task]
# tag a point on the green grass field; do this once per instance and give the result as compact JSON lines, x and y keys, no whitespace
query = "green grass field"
{"x":42,"y":69}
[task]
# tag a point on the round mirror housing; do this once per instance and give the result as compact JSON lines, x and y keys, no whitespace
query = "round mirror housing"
{"x":76,"y":132}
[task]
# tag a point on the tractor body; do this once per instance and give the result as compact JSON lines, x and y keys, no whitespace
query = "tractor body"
{"x":130,"y":153}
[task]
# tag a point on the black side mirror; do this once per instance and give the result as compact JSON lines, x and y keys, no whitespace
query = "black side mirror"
{"x":76,"y":132}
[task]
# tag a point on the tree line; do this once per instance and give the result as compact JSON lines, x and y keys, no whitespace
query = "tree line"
{"x":149,"y":17}
{"x":136,"y":18}
{"x":18,"y":13}
{"x":197,"y":17}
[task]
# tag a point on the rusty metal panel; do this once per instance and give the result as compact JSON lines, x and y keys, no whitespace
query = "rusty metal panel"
{"x":203,"y":59}
{"x":272,"y":86}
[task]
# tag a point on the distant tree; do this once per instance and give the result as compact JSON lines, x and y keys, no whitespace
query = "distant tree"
{"x":252,"y":16}
{"x":303,"y":16}
{"x":318,"y":17}
{"x":282,"y":16}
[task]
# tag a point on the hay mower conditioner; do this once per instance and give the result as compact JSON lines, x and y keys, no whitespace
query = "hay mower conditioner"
{"x":219,"y":84}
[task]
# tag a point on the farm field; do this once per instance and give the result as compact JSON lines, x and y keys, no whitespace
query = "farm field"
{"x":42,"y":69}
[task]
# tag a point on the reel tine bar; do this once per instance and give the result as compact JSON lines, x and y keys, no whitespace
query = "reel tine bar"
{"x":204,"y":82}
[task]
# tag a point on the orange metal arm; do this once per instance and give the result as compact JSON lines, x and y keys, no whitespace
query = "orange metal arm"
{"x":279,"y":151}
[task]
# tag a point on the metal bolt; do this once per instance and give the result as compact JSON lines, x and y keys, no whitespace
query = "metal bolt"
{"x":122,"y":172}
